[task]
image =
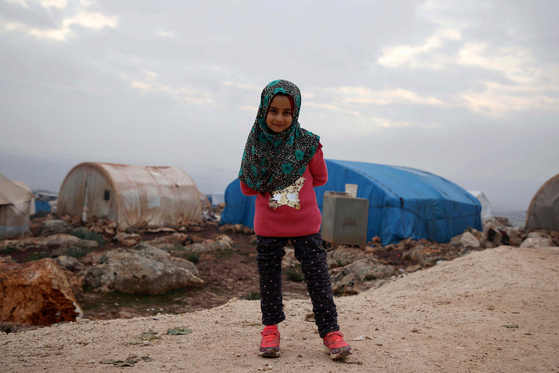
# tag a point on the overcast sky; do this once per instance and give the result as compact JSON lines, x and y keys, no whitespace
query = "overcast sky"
{"x":468,"y":90}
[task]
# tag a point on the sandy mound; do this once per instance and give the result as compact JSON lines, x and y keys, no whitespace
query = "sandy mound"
{"x":490,"y":311}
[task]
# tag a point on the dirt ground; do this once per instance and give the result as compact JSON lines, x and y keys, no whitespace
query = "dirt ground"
{"x":490,"y":311}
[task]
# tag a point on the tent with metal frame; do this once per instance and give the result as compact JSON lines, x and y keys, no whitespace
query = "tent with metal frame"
{"x":130,"y":195}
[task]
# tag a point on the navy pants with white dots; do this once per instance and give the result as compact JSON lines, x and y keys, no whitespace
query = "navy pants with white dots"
{"x":308,"y":251}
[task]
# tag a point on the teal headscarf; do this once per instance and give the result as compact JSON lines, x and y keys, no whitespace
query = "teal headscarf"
{"x":273,"y":161}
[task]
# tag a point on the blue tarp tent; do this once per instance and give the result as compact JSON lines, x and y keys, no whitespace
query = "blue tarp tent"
{"x":42,"y":206}
{"x":403,"y":202}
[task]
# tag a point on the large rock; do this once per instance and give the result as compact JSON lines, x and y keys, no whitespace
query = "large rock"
{"x":426,"y":255}
{"x":170,"y":242}
{"x":236,"y":228}
{"x":66,"y":240}
{"x":54,"y":227}
{"x":36,"y":293}
{"x":469,"y":241}
{"x":52,"y":241}
{"x":69,"y":263}
{"x":141,"y":270}
{"x":358,"y":272}
{"x":208,"y":247}
{"x":537,"y":240}
{"x":127,"y":239}
{"x":343,"y":256}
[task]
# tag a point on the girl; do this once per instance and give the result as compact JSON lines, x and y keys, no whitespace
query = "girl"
{"x":281,"y":164}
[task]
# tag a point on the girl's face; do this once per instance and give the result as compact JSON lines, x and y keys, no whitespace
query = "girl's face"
{"x":279,"y":114}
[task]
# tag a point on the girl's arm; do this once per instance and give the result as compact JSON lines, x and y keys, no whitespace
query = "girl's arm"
{"x":247,"y":191}
{"x":318,"y":168}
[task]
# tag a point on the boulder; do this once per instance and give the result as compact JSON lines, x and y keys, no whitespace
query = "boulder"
{"x":536,"y":240}
{"x":222,"y":237}
{"x":469,"y":241}
{"x":236,"y":228}
{"x":169,"y":242}
{"x":226,"y":228}
{"x":142,"y":269}
{"x":36,"y":293}
{"x":92,"y":258}
{"x":66,"y":240}
{"x":127,"y":239}
{"x":358,"y":272}
{"x":67,"y":263}
{"x":207,"y":247}
{"x":426,"y":256}
{"x":54,"y":227}
{"x":343,"y":256}
{"x":53,"y":241}
{"x":516,"y":236}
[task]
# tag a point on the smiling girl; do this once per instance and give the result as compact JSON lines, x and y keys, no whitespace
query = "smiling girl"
{"x":281,"y":164}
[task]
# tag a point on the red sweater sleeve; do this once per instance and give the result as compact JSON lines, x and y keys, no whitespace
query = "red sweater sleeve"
{"x":247,"y":191}
{"x":317,"y":165}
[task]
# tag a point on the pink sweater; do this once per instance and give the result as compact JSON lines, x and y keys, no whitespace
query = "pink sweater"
{"x":286,"y":221}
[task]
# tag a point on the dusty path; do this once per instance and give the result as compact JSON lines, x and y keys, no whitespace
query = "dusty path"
{"x":491,"y":311}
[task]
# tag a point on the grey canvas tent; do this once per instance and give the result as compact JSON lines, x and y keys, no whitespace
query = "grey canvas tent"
{"x":15,"y":208}
{"x":130,"y":195}
{"x":544,"y":208}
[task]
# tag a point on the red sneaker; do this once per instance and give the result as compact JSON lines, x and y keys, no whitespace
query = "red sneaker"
{"x":269,"y":346}
{"x":336,"y":346}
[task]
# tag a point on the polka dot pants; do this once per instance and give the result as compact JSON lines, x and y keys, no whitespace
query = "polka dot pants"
{"x":308,"y":251}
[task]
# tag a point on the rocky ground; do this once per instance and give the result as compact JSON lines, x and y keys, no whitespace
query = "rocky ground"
{"x":227,"y":274}
{"x":231,"y":272}
{"x":495,"y":310}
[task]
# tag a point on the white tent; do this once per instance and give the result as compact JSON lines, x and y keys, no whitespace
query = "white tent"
{"x":485,"y":205}
{"x":130,"y":195}
{"x":21,"y":184}
{"x":15,"y":207}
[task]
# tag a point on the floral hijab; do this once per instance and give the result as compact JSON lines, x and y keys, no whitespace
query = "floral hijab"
{"x":273,"y":161}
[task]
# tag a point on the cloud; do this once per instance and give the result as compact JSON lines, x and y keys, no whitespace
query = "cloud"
{"x":189,"y":95}
{"x":247,"y":87}
{"x":417,"y":56}
{"x":515,"y":63}
{"x":18,"y":2}
{"x":366,"y":96}
{"x":315,"y":105}
{"x":78,"y":16}
{"x":61,"y":4}
{"x":498,"y":99}
{"x":165,"y":34}
{"x":530,"y":82}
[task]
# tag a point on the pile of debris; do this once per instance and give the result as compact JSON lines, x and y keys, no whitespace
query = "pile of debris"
{"x":354,"y":270}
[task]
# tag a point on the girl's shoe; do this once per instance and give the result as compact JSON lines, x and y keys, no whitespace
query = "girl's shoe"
{"x":336,"y":346}
{"x":269,"y":346}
